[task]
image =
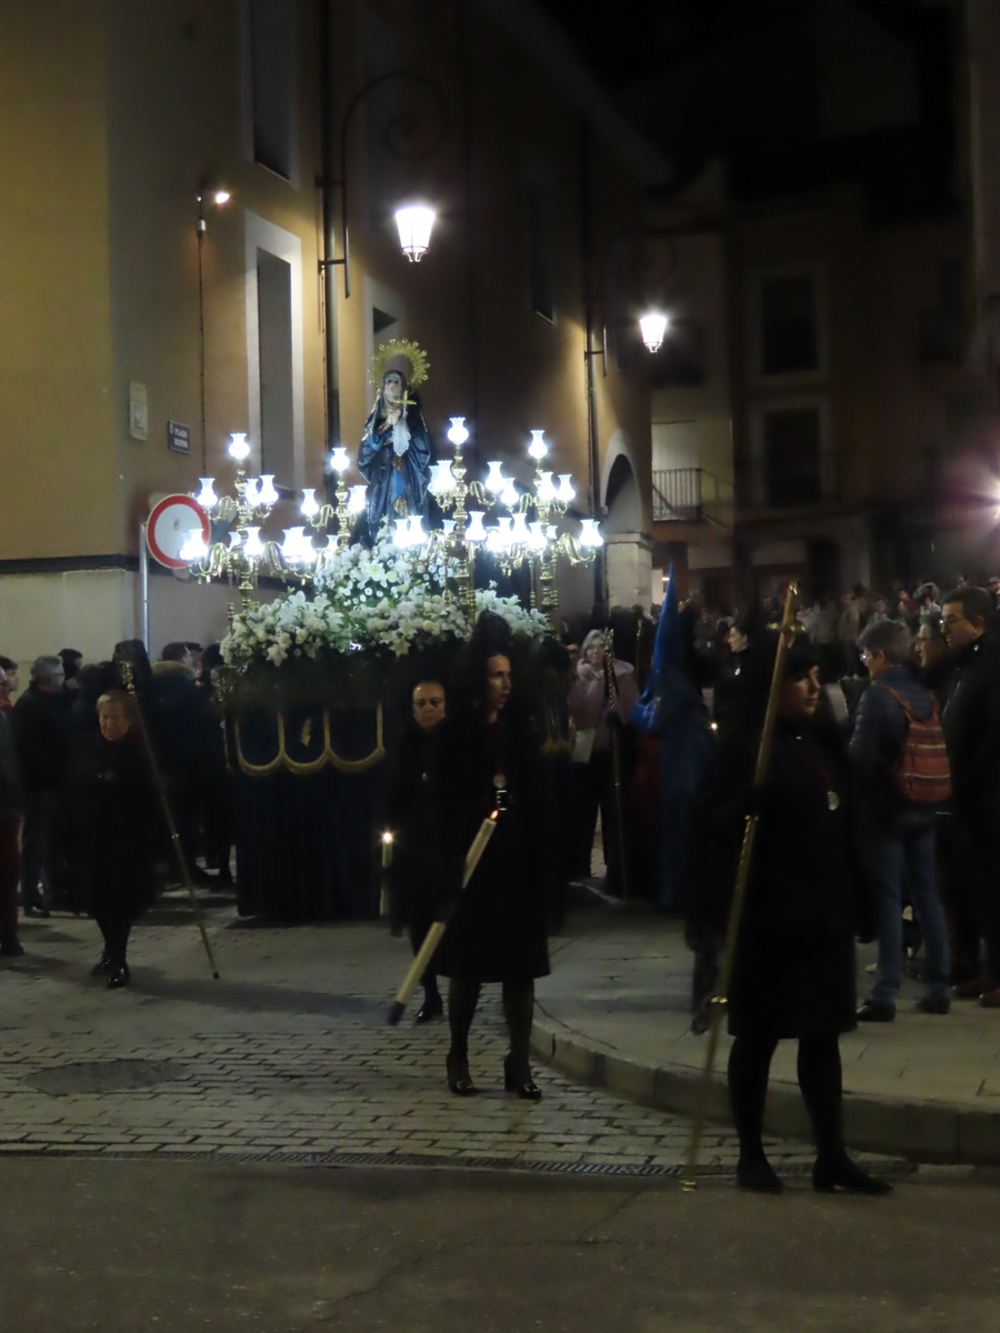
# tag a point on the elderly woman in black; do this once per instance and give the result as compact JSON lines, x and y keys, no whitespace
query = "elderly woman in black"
{"x":115,"y":830}
{"x":414,"y":875}
{"x":794,"y":972}
{"x":486,"y":757}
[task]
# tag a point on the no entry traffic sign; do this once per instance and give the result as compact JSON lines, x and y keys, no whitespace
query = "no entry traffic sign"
{"x":170,"y":520}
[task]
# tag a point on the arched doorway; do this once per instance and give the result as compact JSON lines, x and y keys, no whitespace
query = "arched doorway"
{"x":628,"y":549}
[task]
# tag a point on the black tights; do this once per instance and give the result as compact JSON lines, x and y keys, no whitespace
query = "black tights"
{"x":116,"y":929}
{"x":820,"y":1079}
{"x":518,"y":1009}
{"x":418,"y":933}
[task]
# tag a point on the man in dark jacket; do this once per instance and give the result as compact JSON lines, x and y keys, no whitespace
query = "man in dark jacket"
{"x":898,"y":833}
{"x":40,"y":723}
{"x":182,"y":719}
{"x":971,"y":721}
{"x":11,"y":805}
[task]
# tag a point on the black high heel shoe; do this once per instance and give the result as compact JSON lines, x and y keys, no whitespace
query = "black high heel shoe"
{"x":843,"y":1174}
{"x":432,"y":1007}
{"x":101,"y":968}
{"x":459,"y":1078}
{"x":528,"y":1091}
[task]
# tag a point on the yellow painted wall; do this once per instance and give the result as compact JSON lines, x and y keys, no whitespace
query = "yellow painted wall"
{"x":57,"y":489}
{"x":111,"y":112}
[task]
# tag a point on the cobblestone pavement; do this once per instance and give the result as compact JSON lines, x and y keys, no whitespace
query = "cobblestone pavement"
{"x":288,"y":1057}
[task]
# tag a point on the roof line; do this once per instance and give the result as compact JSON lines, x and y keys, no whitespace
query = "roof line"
{"x":543,"y":37}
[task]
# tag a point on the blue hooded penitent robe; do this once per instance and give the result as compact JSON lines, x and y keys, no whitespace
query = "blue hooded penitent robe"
{"x":672,"y":708}
{"x":397,"y":483}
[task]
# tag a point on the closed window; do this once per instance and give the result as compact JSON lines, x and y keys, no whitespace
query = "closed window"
{"x":789,"y":324}
{"x":792,"y":456}
{"x":541,"y":247}
{"x":274,"y":322}
{"x":272,"y":84}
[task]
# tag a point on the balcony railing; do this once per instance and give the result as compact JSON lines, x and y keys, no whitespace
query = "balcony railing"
{"x":692,"y":495}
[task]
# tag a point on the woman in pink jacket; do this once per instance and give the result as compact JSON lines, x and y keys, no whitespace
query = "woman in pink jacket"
{"x":592,"y":717}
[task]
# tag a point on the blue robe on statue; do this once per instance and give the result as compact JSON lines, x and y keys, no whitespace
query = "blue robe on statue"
{"x":672,"y":708}
{"x":395,"y":460}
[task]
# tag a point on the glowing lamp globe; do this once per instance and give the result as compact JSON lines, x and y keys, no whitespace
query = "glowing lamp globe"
{"x":565,"y":493}
{"x":546,"y":488}
{"x":253,"y":547}
{"x":251,"y":492}
{"x":238,"y":448}
{"x":538,"y":448}
{"x":536,"y":538}
{"x":194,"y":546}
{"x":442,"y":479}
{"x":339,"y":460}
{"x":292,"y":548}
{"x":590,"y":533}
{"x":508,"y":496}
{"x":207,"y":497}
{"x":519,"y":532}
{"x":415,"y":223}
{"x":267,"y":495}
{"x":309,"y":507}
{"x":653,"y":325}
{"x":357,"y":498}
{"x":495,"y":480}
{"x":458,"y":432}
{"x":401,"y":532}
{"x":475,"y":531}
{"x":416,"y":533}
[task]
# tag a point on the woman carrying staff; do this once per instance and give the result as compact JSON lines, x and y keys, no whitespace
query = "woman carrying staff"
{"x":115,"y":828}
{"x":486,"y":758}
{"x":414,"y":877}
{"x":794,"y":973}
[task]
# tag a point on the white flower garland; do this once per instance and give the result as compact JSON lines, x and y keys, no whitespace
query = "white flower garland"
{"x":384,"y":599}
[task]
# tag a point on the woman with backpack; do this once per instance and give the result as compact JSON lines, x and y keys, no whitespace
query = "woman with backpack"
{"x":899,"y":756}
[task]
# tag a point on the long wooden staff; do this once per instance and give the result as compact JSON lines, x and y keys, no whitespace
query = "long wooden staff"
{"x":128,"y":675}
{"x":720,"y":999}
{"x":433,"y":937}
{"x":608,"y":641}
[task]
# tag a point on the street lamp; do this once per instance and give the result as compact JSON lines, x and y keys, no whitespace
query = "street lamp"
{"x":653,"y":325}
{"x":414,"y":220}
{"x":415,"y":223}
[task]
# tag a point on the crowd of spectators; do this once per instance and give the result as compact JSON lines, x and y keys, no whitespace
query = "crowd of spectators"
{"x":71,"y":746}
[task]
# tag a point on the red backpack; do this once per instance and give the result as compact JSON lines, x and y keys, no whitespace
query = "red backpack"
{"x":921,"y":772}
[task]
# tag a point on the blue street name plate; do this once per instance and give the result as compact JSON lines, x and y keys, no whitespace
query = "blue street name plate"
{"x":178,"y":437}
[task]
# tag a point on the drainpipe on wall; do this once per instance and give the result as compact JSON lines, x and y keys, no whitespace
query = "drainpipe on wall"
{"x":587,"y":263}
{"x":327,"y":270}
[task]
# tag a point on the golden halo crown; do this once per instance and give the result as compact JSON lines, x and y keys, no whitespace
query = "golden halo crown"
{"x":400,"y":349}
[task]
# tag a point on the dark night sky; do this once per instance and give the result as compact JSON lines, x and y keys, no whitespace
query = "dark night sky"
{"x":740,"y":79}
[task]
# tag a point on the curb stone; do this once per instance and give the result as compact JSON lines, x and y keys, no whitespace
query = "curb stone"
{"x":920,"y":1131}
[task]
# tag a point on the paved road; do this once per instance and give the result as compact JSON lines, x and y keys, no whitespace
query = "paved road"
{"x":171,"y":1159}
{"x":288,"y":1054}
{"x":130,"y":1247}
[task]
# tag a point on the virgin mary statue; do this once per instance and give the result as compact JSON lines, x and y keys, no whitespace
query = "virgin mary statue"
{"x":396,"y":452}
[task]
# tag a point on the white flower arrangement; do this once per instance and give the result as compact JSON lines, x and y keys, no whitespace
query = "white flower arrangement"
{"x":383,"y":599}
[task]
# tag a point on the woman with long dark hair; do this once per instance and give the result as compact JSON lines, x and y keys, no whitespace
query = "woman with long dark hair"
{"x":486,"y":757}
{"x":794,"y":973}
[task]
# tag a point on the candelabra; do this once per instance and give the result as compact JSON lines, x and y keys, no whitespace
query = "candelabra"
{"x":528,"y":528}
{"x":242,"y":554}
{"x":516,"y":538}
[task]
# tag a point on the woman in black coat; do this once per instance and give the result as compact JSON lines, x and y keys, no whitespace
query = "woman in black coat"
{"x":794,"y":973}
{"x":486,"y":757}
{"x":414,"y":875}
{"x":115,"y":828}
